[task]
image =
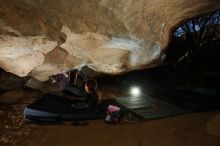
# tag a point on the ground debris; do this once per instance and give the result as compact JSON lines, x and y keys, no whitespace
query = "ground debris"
{"x":14,"y":131}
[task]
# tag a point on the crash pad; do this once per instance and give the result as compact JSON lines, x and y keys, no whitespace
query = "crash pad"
{"x":53,"y":108}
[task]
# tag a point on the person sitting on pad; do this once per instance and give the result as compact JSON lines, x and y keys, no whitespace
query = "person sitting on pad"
{"x":93,"y":96}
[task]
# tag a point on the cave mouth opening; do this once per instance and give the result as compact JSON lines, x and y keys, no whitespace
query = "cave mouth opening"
{"x":193,"y":62}
{"x":193,"y":53}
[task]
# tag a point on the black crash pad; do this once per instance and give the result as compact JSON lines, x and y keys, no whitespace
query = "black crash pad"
{"x":53,"y":108}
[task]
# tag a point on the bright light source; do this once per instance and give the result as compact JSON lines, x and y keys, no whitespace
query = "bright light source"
{"x":135,"y":91}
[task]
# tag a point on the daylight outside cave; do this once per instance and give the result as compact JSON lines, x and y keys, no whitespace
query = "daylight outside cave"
{"x":109,"y":73}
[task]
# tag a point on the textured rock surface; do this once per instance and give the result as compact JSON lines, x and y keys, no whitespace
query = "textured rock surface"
{"x":45,"y":37}
{"x":11,"y":96}
{"x":10,"y":81}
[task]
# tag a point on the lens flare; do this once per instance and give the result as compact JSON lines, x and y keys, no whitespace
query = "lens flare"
{"x":135,"y":91}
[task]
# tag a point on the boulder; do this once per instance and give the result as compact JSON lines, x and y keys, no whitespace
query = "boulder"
{"x":44,"y":38}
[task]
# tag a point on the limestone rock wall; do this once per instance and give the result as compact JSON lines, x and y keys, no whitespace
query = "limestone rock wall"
{"x":40,"y":38}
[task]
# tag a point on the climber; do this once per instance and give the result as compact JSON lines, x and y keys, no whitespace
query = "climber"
{"x":93,"y":96}
{"x":83,"y":86}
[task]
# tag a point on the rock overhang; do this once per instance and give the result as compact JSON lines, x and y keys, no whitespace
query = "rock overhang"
{"x":44,"y":38}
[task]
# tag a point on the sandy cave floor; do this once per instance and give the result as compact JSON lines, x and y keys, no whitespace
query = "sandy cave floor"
{"x":185,"y":130}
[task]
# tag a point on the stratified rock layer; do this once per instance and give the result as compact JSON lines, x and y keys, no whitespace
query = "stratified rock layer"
{"x":45,"y":37}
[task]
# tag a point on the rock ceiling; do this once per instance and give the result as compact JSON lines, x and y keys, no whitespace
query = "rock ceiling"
{"x":40,"y":38}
